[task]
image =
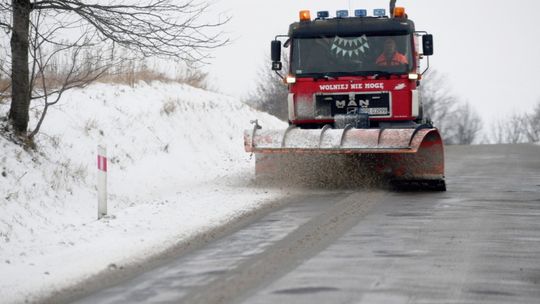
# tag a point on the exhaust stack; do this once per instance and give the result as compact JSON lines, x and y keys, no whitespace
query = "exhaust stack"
{"x":392,"y":7}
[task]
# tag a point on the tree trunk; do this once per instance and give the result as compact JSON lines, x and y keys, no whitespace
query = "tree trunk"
{"x":20,"y":88}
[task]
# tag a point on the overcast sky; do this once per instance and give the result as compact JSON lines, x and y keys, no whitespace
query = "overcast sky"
{"x":489,"y":49}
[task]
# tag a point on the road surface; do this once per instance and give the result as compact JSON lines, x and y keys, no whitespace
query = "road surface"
{"x":479,"y":242}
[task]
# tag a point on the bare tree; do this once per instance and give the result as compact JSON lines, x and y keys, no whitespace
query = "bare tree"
{"x":511,"y":130}
{"x":439,"y":104}
{"x":457,"y":120}
{"x":467,"y":125}
{"x":270,"y":94}
{"x":5,"y":84}
{"x":498,"y":132}
{"x":163,"y":28}
{"x":518,"y":128}
{"x":532,"y":125}
{"x":50,"y":79}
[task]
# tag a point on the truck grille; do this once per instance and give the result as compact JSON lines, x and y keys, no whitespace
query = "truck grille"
{"x":376,"y":104}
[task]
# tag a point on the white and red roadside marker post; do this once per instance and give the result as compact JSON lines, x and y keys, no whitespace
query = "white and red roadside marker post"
{"x":102,"y":181}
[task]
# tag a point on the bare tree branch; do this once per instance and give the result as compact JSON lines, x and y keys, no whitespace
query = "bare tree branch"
{"x":173,"y":29}
{"x":457,"y":120}
{"x":532,"y":125}
{"x":75,"y":75}
{"x":152,"y":28}
{"x":5,"y":14}
{"x":270,"y":94}
{"x":518,"y":128}
{"x":467,"y":125}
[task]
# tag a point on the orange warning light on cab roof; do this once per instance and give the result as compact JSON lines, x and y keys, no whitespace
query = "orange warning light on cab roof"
{"x":399,"y":12}
{"x":305,"y":16}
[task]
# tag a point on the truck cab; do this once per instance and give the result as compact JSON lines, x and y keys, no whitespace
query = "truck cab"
{"x":361,"y":67}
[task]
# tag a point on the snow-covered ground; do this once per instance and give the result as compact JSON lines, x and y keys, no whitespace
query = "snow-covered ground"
{"x":177,"y":169}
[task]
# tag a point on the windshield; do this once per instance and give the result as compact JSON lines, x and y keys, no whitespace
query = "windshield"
{"x":361,"y":55}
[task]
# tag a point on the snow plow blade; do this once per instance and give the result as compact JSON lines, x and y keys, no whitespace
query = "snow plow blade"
{"x":410,"y":159}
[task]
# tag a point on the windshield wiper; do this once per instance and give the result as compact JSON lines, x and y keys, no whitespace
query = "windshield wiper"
{"x":378,"y":74}
{"x":318,"y":75}
{"x":375,"y":74}
{"x":334,"y":75}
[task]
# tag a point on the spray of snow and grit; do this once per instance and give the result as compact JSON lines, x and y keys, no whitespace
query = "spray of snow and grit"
{"x":177,"y":168}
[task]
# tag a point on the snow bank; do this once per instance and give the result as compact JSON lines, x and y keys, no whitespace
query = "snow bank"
{"x":177,"y":168}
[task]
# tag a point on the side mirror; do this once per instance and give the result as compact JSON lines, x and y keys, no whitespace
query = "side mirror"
{"x":276,"y":55}
{"x":427,"y":45}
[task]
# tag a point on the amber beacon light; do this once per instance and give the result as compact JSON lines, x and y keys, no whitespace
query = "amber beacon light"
{"x":305,"y":16}
{"x":399,"y":12}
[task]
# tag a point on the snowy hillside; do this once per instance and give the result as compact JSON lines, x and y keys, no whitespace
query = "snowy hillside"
{"x":176,"y":168}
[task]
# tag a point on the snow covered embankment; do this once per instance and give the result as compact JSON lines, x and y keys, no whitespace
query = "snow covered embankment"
{"x":176,"y":169}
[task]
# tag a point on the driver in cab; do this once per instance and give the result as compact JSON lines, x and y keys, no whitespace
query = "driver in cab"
{"x":390,"y":56}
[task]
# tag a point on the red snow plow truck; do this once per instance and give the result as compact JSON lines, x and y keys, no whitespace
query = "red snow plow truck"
{"x":354,"y":104}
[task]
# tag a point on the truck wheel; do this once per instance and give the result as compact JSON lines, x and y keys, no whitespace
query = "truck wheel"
{"x":438,"y":185}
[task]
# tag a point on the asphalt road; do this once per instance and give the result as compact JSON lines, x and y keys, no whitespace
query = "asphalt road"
{"x":479,"y":242}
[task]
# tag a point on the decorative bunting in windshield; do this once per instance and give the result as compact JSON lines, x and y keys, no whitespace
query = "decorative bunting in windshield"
{"x":350,"y":46}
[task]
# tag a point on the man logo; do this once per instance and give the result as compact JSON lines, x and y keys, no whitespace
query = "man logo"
{"x":340,"y":104}
{"x":364,"y":103}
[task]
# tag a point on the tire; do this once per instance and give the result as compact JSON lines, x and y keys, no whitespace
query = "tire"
{"x":419,"y":185}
